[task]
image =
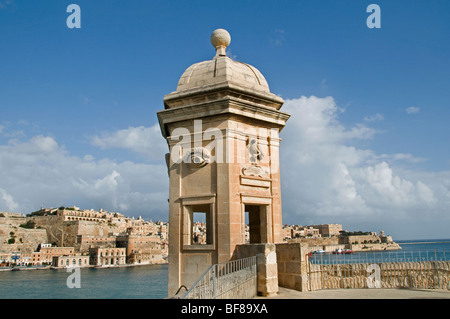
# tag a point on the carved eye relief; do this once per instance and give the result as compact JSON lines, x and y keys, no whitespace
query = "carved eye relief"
{"x":197,"y":158}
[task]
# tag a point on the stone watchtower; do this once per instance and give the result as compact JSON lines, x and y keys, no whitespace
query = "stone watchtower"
{"x":222,"y":127}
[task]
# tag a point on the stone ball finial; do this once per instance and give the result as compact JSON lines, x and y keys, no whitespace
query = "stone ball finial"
{"x":220,"y":39}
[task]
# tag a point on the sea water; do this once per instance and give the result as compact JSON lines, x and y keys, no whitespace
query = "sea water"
{"x":412,"y":251}
{"x":137,"y":282}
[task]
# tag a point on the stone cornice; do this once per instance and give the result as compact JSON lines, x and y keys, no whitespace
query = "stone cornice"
{"x":217,"y":91}
{"x":225,"y":106}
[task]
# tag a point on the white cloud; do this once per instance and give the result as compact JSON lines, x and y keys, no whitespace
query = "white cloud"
{"x":39,"y":171}
{"x":7,"y":201}
{"x":325,"y":179}
{"x":382,"y":188}
{"x":11,"y":134}
{"x":277,"y":37}
{"x":401,"y":157}
{"x":374,"y":118}
{"x":412,"y":110}
{"x":230,"y":54}
{"x":147,"y":141}
{"x":6,"y":3}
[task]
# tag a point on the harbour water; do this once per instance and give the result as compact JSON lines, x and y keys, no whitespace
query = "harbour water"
{"x":412,"y":251}
{"x":139,"y":282}
{"x":150,"y":282}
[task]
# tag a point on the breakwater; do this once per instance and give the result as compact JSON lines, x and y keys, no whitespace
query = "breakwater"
{"x":426,"y":242}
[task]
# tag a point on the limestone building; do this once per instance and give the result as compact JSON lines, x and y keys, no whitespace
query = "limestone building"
{"x":84,"y":242}
{"x":107,"y":256}
{"x":222,"y":127}
{"x":46,"y":254}
{"x":141,"y":249}
{"x":329,"y":230}
{"x":77,"y":260}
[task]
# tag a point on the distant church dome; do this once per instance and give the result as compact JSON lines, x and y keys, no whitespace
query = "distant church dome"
{"x":222,"y":69}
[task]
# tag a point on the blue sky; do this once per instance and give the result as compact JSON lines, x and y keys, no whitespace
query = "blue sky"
{"x":78,"y":106}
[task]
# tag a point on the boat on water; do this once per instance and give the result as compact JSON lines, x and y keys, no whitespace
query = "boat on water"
{"x":343,"y":251}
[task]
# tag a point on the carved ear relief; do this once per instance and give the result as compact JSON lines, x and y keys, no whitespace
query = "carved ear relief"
{"x":254,"y":152}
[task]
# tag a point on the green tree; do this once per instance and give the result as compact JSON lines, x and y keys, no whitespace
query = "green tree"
{"x":29,"y":224}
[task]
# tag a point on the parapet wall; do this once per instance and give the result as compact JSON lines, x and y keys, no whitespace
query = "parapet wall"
{"x":424,"y":275}
{"x":295,"y":272}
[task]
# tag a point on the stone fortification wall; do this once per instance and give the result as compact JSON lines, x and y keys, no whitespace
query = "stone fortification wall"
{"x":80,"y":234}
{"x":316,"y":241}
{"x":328,"y":244}
{"x":16,"y":238}
{"x":11,"y":220}
{"x":72,"y":229}
{"x":84,"y":242}
{"x":64,"y":233}
{"x":10,"y":215}
{"x":375,"y":247}
{"x":356,"y":243}
{"x":52,"y":224}
{"x":359,"y":239}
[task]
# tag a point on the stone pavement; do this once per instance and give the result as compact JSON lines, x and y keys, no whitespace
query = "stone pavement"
{"x":284,"y":293}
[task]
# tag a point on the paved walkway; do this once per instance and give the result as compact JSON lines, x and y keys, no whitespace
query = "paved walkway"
{"x":367,"y":293}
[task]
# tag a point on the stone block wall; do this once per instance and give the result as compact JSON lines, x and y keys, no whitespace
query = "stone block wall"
{"x":292,"y":265}
{"x":266,"y":260}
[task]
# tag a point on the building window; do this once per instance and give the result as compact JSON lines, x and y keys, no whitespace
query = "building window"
{"x":256,"y":219}
{"x":198,"y":230}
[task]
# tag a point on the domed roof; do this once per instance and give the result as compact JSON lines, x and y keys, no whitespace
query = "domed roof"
{"x":222,"y":69}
